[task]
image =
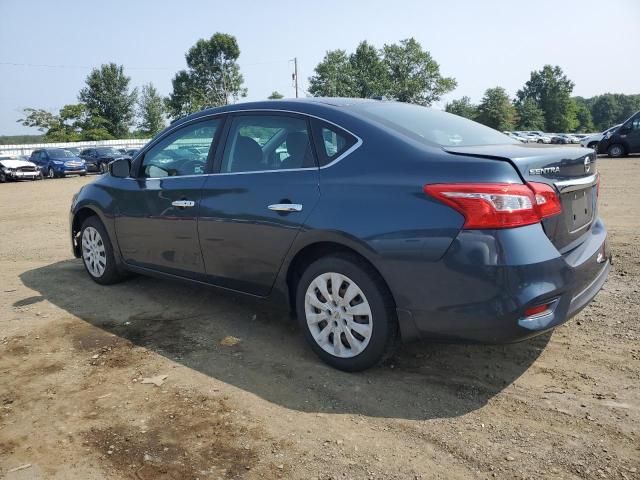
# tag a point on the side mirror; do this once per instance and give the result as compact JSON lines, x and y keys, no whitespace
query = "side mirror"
{"x":120,"y":168}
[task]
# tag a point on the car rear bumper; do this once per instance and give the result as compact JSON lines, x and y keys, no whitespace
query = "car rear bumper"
{"x":480,"y":289}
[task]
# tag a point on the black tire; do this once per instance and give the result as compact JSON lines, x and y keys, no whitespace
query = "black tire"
{"x":51,"y":173}
{"x":3,"y":177}
{"x":615,"y":151}
{"x":103,"y":168}
{"x":592,"y":145}
{"x":540,"y":141}
{"x":111,"y":272}
{"x":384,"y":323}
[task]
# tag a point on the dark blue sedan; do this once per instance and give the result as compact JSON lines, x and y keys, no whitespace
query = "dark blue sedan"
{"x":373,"y":221}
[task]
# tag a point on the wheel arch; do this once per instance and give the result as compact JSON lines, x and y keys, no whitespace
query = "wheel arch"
{"x":79,"y":218}
{"x":311,"y":252}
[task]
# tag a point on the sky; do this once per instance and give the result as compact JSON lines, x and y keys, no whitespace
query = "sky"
{"x":47,"y":48}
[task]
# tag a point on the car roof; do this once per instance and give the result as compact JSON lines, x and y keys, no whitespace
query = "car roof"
{"x":309,"y":105}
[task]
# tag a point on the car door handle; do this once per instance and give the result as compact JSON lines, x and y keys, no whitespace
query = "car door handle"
{"x":286,"y":207}
{"x":183,"y":203}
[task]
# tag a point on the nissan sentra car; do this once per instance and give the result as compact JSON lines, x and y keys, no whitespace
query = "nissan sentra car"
{"x":374,"y":221}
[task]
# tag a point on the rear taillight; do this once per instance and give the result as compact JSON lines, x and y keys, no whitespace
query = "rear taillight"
{"x":498,"y":205}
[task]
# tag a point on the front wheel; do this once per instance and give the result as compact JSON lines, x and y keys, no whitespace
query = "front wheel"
{"x":103,"y":168}
{"x":3,"y":177}
{"x":346,"y":312}
{"x":97,"y":253}
{"x":615,"y":150}
{"x":593,"y":145}
{"x":51,"y":173}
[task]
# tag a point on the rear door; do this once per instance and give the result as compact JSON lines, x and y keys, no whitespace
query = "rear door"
{"x":254,"y":206}
{"x":157,"y":219}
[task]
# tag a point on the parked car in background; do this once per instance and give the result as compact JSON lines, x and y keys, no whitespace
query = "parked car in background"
{"x":523,"y":137}
{"x":74,"y":150}
{"x":623,"y":140}
{"x":591,"y":141}
{"x":14,"y":168}
{"x":541,"y":137}
{"x":465,"y":234}
{"x":97,"y":158}
{"x":58,"y":162}
{"x":563,"y":138}
{"x":515,"y":137}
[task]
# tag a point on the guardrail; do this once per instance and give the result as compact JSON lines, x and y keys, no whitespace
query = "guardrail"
{"x":26,"y":149}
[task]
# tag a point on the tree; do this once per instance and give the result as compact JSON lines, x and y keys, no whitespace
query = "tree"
{"x":612,"y":108}
{"x":530,"y":117}
{"x":551,"y":90}
{"x":107,"y":97}
{"x":151,"y":111}
{"x":583,"y":116}
{"x":275,"y":95}
{"x":73,"y":123}
{"x":369,"y":74}
{"x":212,"y":77}
{"x":333,"y":76}
{"x":414,"y":76}
{"x":462,"y":107}
{"x":496,"y":110}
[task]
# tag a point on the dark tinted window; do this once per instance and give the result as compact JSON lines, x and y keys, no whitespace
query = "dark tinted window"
{"x":183,"y":152}
{"x":60,"y":153}
{"x":431,"y":126}
{"x":108,"y":151}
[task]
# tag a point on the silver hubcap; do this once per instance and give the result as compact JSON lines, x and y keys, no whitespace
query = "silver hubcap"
{"x":616,"y":150}
{"x":338,"y":315}
{"x":51,"y":174}
{"x":93,"y":252}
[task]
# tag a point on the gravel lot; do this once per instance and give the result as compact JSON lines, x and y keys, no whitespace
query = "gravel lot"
{"x":73,"y":356}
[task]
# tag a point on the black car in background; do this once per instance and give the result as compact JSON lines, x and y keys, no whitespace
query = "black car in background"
{"x":97,"y":158}
{"x":624,"y":140}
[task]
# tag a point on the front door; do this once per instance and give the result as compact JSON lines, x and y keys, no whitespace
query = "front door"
{"x":157,"y":220}
{"x":254,"y":206}
{"x":632,"y":132}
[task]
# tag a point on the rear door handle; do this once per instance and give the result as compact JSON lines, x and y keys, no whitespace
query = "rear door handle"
{"x":183,"y":203}
{"x":286,"y":207}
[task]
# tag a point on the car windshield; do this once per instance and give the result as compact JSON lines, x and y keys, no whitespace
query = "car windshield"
{"x":431,"y":126}
{"x":60,"y":153}
{"x":108,"y":151}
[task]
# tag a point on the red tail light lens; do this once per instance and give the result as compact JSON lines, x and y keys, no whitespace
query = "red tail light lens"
{"x":498,"y":205}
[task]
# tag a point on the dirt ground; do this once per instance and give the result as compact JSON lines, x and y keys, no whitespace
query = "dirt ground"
{"x":73,"y":356}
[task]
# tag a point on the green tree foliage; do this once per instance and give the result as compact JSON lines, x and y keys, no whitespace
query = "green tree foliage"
{"x":333,"y":76}
{"x":369,"y":74}
{"x":401,"y":71}
{"x":530,"y":116}
{"x":551,"y":90}
{"x":413,"y":74}
{"x":275,"y":95}
{"x":212,"y":77}
{"x":108,"y":99}
{"x":462,"y":107}
{"x":151,"y":111}
{"x":20,"y":139}
{"x":496,"y":110}
{"x":612,"y":108}
{"x":73,"y":123}
{"x":583,"y":116}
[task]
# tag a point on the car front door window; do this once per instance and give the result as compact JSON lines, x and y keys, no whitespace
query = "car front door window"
{"x":184,"y":152}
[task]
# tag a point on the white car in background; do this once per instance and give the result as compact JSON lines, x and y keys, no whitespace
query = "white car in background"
{"x":541,"y":137}
{"x":591,"y":141}
{"x":12,"y":168}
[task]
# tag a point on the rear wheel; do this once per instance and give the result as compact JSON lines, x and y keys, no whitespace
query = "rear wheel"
{"x":97,"y":253}
{"x":3,"y":177}
{"x":346,"y":312}
{"x":615,"y":150}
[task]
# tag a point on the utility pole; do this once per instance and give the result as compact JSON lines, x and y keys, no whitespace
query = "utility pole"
{"x":294,"y":76}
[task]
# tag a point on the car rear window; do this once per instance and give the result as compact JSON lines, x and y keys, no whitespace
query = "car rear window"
{"x":431,"y":126}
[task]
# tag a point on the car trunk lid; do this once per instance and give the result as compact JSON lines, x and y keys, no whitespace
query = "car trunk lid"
{"x":571,"y":171}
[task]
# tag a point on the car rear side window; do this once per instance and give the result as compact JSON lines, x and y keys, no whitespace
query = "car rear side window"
{"x":331,"y":141}
{"x":267,"y":142}
{"x":183,"y":152}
